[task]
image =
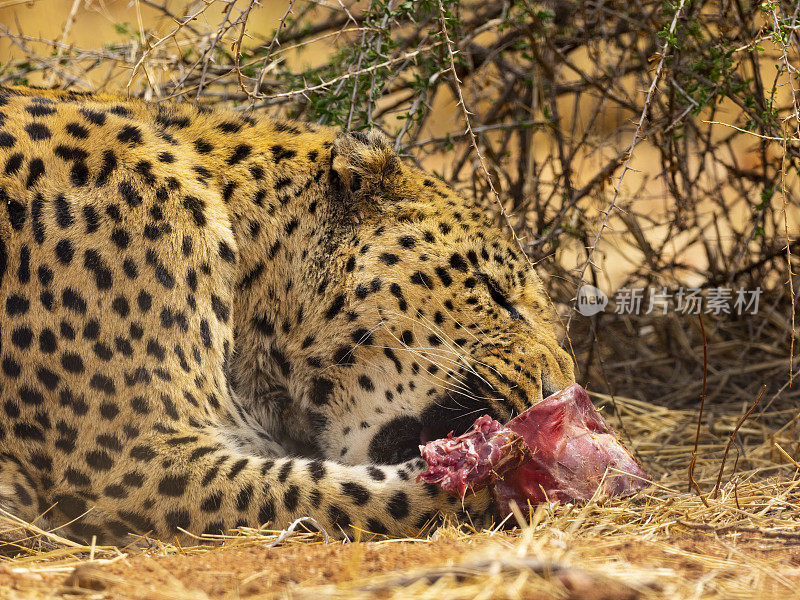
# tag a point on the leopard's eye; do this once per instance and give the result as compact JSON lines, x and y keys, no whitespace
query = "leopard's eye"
{"x":499,"y":298}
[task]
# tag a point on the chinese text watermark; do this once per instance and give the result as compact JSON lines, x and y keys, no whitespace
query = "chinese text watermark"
{"x":719,"y":301}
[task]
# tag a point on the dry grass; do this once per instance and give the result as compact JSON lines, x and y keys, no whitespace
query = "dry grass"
{"x":709,"y":200}
{"x":664,"y":543}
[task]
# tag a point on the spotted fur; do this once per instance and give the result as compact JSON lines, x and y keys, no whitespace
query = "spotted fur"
{"x":210,"y":320}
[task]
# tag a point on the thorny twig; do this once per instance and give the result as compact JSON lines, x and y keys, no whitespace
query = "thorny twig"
{"x":692,"y":482}
{"x":626,"y":167}
{"x":474,"y":141}
{"x":733,"y":437}
{"x":256,"y":93}
{"x":791,"y":74}
{"x":171,"y":35}
{"x":468,"y":124}
{"x":326,"y":84}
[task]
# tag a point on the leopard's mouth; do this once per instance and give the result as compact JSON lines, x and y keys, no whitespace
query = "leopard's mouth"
{"x":399,"y":439}
{"x":427,"y":434}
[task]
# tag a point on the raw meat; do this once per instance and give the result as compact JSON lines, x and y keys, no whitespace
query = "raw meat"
{"x":473,"y":460}
{"x":568,"y":454}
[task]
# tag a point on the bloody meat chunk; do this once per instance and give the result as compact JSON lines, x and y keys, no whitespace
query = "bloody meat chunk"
{"x":473,"y":460}
{"x":571,"y":455}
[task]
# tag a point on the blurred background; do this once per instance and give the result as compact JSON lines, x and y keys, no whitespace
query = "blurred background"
{"x":650,"y":146}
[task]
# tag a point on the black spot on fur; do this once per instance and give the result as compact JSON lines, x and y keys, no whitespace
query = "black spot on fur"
{"x":38,"y":131}
{"x":321,"y":391}
{"x":241,"y":152}
{"x":280,"y":153}
{"x":173,"y":485}
{"x":357,"y":492}
{"x":130,"y":134}
{"x":398,"y":505}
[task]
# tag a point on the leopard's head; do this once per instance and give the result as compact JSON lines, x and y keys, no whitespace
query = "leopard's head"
{"x":421,"y":314}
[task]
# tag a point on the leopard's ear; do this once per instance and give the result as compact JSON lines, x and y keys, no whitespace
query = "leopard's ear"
{"x":365,"y":166}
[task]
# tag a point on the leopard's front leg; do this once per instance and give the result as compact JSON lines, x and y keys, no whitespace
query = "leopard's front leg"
{"x":204,"y":486}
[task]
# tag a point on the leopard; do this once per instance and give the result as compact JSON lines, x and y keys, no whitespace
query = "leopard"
{"x":214,"y":319}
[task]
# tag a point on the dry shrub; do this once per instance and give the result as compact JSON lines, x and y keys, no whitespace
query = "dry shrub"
{"x":627,"y":144}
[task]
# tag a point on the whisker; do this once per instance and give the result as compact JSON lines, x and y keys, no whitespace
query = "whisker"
{"x":404,"y":346}
{"x":435,"y":329}
{"x":451,"y":358}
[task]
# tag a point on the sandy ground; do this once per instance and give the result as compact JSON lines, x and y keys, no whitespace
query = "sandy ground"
{"x":487,"y":566}
{"x":664,"y":543}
